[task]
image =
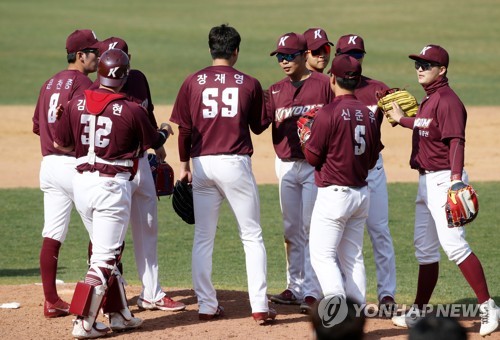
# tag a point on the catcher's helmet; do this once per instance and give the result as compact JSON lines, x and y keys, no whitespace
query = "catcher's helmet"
{"x":113,"y":68}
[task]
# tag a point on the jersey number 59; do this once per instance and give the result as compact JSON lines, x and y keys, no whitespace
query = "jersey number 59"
{"x":228,"y":102}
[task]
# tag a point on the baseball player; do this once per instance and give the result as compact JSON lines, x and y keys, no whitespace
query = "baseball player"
{"x":438,"y":156}
{"x":289,"y":98}
{"x":215,"y":109}
{"x":343,"y":146}
{"x":144,"y":213}
{"x":57,"y":168}
{"x":377,"y":223}
{"x":318,"y":49}
{"x":107,"y":133}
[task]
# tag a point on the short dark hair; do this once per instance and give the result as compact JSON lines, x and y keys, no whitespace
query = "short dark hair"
{"x":351,"y":328}
{"x":434,"y":328}
{"x":347,"y":83}
{"x":223,"y":40}
{"x":71,"y":57}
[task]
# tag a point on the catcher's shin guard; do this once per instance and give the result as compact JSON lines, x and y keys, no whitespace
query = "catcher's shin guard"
{"x":86,"y":303}
{"x":116,"y":299}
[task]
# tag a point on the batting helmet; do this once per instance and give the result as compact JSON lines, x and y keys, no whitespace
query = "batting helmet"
{"x":113,"y":68}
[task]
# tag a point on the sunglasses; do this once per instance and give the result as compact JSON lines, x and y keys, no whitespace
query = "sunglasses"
{"x":325,"y":49}
{"x":424,"y":65}
{"x":287,"y":57}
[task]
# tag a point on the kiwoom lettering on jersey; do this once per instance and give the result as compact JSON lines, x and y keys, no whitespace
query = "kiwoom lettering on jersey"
{"x":423,"y":123}
{"x":284,"y":113}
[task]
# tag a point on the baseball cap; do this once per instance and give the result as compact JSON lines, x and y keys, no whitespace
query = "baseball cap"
{"x":290,"y":43}
{"x":350,"y":42}
{"x":315,"y":38}
{"x":345,"y":66}
{"x":434,"y":54}
{"x":113,"y":42}
{"x":80,"y":40}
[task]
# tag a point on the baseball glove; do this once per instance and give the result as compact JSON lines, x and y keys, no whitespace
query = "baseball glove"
{"x":304,"y":125}
{"x":462,"y":205}
{"x":182,"y":201}
{"x":405,"y":99}
{"x":163,"y":176}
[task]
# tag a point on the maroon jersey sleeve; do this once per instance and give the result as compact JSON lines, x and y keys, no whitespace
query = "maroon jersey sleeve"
{"x":59,"y":89}
{"x":345,"y":136}
{"x":286,"y":103}
{"x":218,"y":105}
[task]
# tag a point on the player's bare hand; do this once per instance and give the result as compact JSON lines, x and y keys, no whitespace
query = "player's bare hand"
{"x":185,"y":174}
{"x":396,"y":113}
{"x":59,"y":111}
{"x":161,"y":154}
{"x":167,"y":127}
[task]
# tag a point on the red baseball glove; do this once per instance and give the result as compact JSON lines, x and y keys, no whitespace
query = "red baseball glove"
{"x":304,"y":125}
{"x":462,"y":205}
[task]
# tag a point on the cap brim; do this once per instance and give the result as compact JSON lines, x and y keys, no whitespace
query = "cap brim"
{"x":285,"y":51}
{"x":318,"y":45}
{"x":418,"y":57}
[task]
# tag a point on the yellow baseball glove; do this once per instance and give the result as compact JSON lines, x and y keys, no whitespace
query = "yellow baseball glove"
{"x":405,"y":99}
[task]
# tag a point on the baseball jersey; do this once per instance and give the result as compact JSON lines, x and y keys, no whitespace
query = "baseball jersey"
{"x":287,"y":103}
{"x":345,"y":136}
{"x":59,"y":89}
{"x":218,"y":104}
{"x":122,"y":129}
{"x":366,"y":93}
{"x":441,"y":116}
{"x":136,"y":89}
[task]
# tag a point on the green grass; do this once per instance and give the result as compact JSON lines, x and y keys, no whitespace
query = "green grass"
{"x":168,"y":39}
{"x":22,"y":219}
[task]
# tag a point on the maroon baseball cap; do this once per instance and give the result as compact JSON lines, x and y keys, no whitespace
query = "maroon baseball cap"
{"x":345,"y":66}
{"x":315,"y":38}
{"x":433,"y":54}
{"x":350,"y":42}
{"x":290,"y":43}
{"x":80,"y":40}
{"x":113,"y":42}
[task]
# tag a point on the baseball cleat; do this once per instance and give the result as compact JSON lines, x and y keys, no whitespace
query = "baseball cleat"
{"x":488,"y":312}
{"x":388,"y":306}
{"x":286,"y":297}
{"x":96,"y":331}
{"x":164,"y":303}
{"x":118,"y":322}
{"x":307,"y":304}
{"x":409,"y":319}
{"x":60,"y":308}
{"x":263,"y":318}
{"x":219,"y":313}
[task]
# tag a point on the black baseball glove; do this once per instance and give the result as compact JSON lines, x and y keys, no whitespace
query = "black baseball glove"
{"x":182,"y":201}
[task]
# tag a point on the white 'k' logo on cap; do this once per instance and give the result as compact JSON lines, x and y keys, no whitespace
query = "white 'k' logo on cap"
{"x":282,"y":40}
{"x":425,"y":50}
{"x":352,"y":39}
{"x":317,"y":34}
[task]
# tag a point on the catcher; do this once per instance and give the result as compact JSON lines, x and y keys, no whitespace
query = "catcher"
{"x":406,"y":101}
{"x":445,"y":203}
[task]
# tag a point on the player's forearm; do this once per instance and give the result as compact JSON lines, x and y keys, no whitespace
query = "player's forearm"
{"x":456,"y":157}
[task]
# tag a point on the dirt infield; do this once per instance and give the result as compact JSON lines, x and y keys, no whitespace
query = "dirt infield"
{"x":20,"y":154}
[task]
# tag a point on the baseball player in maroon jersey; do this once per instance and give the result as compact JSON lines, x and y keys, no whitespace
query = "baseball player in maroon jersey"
{"x":144,"y":213}
{"x":107,"y":133}
{"x":377,"y":222}
{"x":438,"y":155}
{"x":343,"y":146}
{"x":318,"y":49}
{"x":57,"y":168}
{"x":289,"y":98}
{"x":215,"y":109}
